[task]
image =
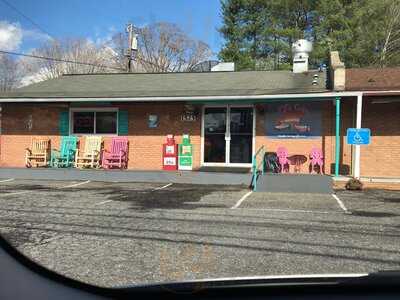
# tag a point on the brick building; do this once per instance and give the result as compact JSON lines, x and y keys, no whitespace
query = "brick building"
{"x":380,"y":90}
{"x":229,"y":115}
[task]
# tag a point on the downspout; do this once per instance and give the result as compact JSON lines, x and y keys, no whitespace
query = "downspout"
{"x":338,"y":80}
{"x":337,"y":137}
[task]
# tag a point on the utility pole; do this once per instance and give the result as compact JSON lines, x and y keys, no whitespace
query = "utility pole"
{"x":132,"y":46}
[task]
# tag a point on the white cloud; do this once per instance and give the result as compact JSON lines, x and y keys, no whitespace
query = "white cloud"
{"x":35,"y":35}
{"x":10,"y":36}
{"x":101,"y":39}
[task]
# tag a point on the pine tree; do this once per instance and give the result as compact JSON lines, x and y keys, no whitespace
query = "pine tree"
{"x":259,"y":33}
{"x":232,"y":30}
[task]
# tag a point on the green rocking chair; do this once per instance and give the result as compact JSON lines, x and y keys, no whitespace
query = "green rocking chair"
{"x":64,"y":157}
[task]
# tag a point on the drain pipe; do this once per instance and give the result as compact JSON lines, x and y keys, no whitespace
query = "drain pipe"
{"x":337,"y":141}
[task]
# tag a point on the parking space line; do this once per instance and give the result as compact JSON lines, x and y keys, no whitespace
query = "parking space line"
{"x":241,"y":200}
{"x":16,"y":193}
{"x":103,"y":202}
{"x":341,"y":204}
{"x":162,"y":187}
{"x":7,"y":180}
{"x":294,"y":210}
{"x":74,"y":185}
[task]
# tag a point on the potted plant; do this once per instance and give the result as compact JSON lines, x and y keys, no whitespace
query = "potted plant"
{"x":354,"y":184}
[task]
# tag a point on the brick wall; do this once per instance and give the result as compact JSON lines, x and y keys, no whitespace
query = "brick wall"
{"x":16,"y":134}
{"x":326,"y":142}
{"x":145,"y":144}
{"x":382,"y":156}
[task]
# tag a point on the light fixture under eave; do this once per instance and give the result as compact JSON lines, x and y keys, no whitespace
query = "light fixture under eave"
{"x":385,"y":101}
{"x":382,"y":101}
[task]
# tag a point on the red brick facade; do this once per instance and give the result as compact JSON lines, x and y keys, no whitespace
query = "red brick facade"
{"x":381,"y":158}
{"x":145,"y":144}
{"x":326,"y":142}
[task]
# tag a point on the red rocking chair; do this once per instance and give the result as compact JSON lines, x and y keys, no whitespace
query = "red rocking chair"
{"x":118,"y":156}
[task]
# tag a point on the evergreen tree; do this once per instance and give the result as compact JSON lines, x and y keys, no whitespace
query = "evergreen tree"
{"x":259,"y":33}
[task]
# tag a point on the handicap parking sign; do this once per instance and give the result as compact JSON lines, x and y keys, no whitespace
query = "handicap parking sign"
{"x":358,"y":136}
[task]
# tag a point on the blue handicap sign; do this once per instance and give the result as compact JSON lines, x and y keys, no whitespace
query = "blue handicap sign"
{"x":358,"y":136}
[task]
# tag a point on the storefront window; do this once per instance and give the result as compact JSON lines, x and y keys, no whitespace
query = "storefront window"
{"x":94,"y":122}
{"x":83,"y":122}
{"x":106,"y":122}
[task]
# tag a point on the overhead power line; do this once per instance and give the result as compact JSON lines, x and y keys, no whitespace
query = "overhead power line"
{"x":60,"y":60}
{"x":136,"y":58}
{"x":26,"y":17}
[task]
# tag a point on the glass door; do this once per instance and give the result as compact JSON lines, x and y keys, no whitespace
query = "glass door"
{"x":228,"y":135}
{"x":215,"y":134}
{"x":241,"y":135}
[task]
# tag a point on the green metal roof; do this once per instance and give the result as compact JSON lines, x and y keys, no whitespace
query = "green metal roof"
{"x":116,"y":85}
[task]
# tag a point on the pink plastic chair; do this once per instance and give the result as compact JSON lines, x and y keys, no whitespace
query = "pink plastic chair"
{"x":118,"y":156}
{"x":316,"y":159}
{"x":282,"y":154}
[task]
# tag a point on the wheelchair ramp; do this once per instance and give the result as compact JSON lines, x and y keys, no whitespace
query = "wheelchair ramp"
{"x":295,"y":183}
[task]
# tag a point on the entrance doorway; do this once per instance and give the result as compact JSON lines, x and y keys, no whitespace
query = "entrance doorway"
{"x":228,"y":133}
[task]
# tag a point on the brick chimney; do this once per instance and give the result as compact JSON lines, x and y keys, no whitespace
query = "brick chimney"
{"x":337,"y":72}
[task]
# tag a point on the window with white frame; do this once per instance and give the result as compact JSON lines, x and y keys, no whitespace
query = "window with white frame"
{"x":94,"y":121}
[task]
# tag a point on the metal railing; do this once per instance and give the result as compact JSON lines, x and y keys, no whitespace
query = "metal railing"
{"x":258,"y":166}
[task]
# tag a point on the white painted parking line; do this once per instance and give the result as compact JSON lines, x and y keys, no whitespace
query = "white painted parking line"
{"x":162,"y":187}
{"x":293,"y":210}
{"x":16,"y":193}
{"x":103,"y":202}
{"x":241,"y":200}
{"x":74,"y":185}
{"x":7,"y":180}
{"x":341,"y":204}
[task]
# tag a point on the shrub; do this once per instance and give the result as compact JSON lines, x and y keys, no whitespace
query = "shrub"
{"x":354,"y":184}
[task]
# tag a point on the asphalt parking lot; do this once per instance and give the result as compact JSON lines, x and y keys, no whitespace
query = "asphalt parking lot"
{"x":114,"y":234}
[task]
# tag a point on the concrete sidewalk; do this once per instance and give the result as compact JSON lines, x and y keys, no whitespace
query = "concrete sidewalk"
{"x":192,"y":177}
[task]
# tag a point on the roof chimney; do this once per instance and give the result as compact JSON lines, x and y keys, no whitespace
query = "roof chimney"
{"x":337,"y":72}
{"x":301,"y":50}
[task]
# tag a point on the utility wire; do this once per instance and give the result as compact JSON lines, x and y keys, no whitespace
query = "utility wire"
{"x":72,"y":61}
{"x":26,"y":17}
{"x":55,"y":59}
{"x":59,"y":59}
{"x":48,"y":34}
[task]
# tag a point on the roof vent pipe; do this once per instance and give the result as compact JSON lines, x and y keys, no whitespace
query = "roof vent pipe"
{"x":301,"y":50}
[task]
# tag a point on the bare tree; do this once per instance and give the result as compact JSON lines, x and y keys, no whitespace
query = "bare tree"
{"x":119,"y":45}
{"x":163,"y":47}
{"x":9,"y":76}
{"x":97,"y":58}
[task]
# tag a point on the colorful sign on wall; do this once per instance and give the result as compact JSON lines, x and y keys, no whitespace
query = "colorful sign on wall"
{"x":293,"y":120}
{"x":153,"y":121}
